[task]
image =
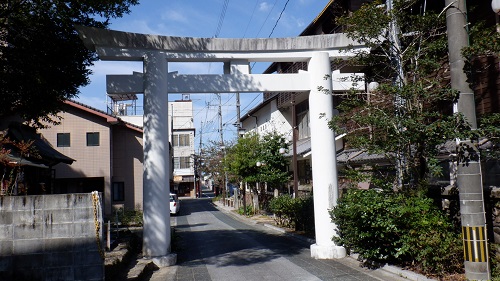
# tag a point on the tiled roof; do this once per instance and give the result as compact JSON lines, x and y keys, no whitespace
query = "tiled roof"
{"x":109,"y":117}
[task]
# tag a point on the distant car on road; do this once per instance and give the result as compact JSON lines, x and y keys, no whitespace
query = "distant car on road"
{"x":175,"y":206}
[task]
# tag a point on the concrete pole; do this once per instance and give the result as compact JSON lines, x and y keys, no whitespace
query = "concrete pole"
{"x":156,"y":233}
{"x":469,"y":180}
{"x":295,"y":165}
{"x":324,"y":162}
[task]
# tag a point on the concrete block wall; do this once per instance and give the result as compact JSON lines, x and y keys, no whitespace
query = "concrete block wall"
{"x":49,"y":237}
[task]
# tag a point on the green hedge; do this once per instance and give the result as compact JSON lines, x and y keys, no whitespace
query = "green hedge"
{"x":399,"y":228}
{"x":297,"y":213}
{"x":128,"y":217}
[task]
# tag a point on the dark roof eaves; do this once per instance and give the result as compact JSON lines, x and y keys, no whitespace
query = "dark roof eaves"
{"x":99,"y":112}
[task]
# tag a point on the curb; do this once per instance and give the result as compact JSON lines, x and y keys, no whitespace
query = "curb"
{"x":405,"y":273}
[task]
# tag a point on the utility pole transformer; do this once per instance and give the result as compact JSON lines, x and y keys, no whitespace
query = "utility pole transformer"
{"x":469,"y":179}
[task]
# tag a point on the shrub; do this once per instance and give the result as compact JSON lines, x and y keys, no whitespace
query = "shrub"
{"x":283,"y":208}
{"x":397,"y":227}
{"x":297,"y":213}
{"x":305,"y":215}
{"x":495,"y":261}
{"x":248,"y":212}
{"x":129,"y":217}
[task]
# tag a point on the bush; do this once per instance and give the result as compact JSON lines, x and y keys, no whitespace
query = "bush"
{"x":249,"y":210}
{"x":399,"y":228}
{"x":129,"y":217}
{"x":297,"y":213}
{"x":494,"y":253}
{"x":283,"y":208}
{"x":305,"y":215}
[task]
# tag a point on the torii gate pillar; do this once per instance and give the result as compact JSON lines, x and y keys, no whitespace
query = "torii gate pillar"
{"x":324,"y":162}
{"x":156,"y":182}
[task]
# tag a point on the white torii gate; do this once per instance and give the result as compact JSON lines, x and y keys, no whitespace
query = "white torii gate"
{"x":156,"y":82}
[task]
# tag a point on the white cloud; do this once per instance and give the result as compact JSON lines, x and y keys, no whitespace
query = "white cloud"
{"x":264,"y":7}
{"x":176,"y":16}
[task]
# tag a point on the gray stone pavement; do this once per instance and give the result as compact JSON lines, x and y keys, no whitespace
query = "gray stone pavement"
{"x":215,"y":243}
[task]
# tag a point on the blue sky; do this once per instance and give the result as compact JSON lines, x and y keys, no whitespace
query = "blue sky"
{"x":203,"y":18}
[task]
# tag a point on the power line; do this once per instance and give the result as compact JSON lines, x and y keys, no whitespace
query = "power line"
{"x":221,"y":18}
{"x":278,"y":18}
{"x":251,"y":17}
{"x":266,"y":18}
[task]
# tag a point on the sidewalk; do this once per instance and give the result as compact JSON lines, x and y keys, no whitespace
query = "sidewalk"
{"x":386,"y":273}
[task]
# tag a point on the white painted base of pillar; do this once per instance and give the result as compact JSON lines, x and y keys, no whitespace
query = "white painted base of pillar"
{"x":168,"y":260}
{"x":327,"y":252}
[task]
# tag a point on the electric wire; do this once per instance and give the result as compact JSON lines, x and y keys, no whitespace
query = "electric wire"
{"x":221,"y":18}
{"x":278,"y":18}
{"x":219,"y":26}
{"x":270,"y":11}
{"x":251,"y":17}
{"x":275,"y":24}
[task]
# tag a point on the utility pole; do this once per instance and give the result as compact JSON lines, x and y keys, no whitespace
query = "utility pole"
{"x":238,"y":124}
{"x":222,"y":147}
{"x":238,"y":135}
{"x":200,"y":157}
{"x":469,"y":178}
{"x":294,"y":150}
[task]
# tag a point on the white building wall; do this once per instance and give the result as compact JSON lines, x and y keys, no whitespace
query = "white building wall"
{"x":269,"y":119}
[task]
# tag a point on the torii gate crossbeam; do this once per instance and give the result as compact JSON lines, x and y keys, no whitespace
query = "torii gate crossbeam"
{"x":156,"y":82}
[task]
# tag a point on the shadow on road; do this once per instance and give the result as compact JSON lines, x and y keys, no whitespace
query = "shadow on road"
{"x":237,"y":245}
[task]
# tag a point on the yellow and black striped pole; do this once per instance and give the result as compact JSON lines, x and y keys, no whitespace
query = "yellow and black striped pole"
{"x":475,"y":244}
{"x":476,"y":260}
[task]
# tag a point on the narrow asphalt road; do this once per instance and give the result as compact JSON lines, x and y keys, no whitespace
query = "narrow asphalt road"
{"x":212,"y":245}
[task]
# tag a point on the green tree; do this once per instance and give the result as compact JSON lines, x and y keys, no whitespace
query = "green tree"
{"x":408,"y":118}
{"x":211,"y":163}
{"x":42,"y":60}
{"x":274,"y":171}
{"x":242,"y":159}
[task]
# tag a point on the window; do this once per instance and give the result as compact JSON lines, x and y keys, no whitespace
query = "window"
{"x":182,"y":162}
{"x":63,"y":140}
{"x":185,"y":162}
{"x":118,"y":191}
{"x":93,"y":139}
{"x":181,"y":140}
